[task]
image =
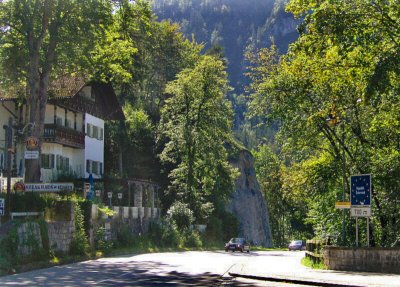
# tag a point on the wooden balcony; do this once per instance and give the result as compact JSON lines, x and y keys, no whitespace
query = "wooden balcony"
{"x":64,"y":136}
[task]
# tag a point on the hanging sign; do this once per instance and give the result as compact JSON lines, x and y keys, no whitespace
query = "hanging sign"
{"x":32,"y":143}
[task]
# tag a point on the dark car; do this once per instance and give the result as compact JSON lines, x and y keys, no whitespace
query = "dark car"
{"x":237,"y":244}
{"x":296,"y":245}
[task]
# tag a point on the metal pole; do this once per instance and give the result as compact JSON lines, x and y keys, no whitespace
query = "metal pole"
{"x":356,"y":231}
{"x":367,"y":231}
{"x":344,"y":189}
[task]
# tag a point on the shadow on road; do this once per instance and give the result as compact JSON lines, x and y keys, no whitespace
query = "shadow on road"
{"x":108,"y":273}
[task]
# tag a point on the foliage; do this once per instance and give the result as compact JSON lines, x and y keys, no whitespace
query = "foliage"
{"x":333,"y":94}
{"x":180,"y":215}
{"x":100,"y":241}
{"x":27,"y":201}
{"x":196,"y":122}
{"x":79,"y":244}
{"x":308,"y":262}
{"x":41,"y":44}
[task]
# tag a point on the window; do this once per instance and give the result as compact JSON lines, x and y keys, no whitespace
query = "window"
{"x":101,"y":134}
{"x":47,"y":161}
{"x":62,"y":163}
{"x":89,"y":130}
{"x":88,"y":166}
{"x":94,"y":167}
{"x":95,"y":133}
{"x":59,"y":121}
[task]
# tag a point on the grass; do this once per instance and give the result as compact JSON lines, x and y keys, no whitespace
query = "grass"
{"x":308,"y":262}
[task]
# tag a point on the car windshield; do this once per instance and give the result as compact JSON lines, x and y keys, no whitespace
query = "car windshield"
{"x":236,"y":240}
{"x":296,"y":242}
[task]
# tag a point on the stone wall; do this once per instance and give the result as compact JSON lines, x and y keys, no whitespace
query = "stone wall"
{"x":61,"y":234}
{"x":29,"y":238}
{"x":385,"y":260}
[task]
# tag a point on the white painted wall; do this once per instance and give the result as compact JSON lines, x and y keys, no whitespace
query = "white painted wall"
{"x":94,"y":148}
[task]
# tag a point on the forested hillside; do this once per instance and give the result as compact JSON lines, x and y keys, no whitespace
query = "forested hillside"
{"x":234,"y":25}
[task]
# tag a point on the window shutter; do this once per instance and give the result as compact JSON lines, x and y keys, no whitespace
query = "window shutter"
{"x":101,"y":134}
{"x":52,"y":161}
{"x":89,"y":130}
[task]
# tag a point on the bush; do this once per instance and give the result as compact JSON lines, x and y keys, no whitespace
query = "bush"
{"x":124,"y":237}
{"x":192,"y":239}
{"x":79,"y":244}
{"x":181,"y":215}
{"x":170,"y":236}
{"x":100,"y":242}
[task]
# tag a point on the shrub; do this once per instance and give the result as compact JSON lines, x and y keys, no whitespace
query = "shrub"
{"x":192,"y":239}
{"x":181,"y":215}
{"x":100,"y":242}
{"x":79,"y":243}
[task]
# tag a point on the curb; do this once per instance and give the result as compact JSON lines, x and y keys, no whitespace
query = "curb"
{"x":294,"y":281}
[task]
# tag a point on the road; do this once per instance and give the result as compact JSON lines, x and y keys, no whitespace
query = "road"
{"x":159,"y":269}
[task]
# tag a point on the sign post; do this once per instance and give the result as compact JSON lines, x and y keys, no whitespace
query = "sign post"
{"x":360,"y":197}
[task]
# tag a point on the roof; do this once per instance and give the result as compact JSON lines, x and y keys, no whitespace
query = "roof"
{"x":65,"y":91}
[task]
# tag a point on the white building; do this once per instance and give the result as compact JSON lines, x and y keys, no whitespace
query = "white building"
{"x":73,"y":139}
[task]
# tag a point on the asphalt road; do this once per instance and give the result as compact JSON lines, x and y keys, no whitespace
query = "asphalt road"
{"x":158,"y":269}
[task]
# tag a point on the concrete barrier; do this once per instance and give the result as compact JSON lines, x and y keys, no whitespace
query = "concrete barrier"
{"x":374,"y":259}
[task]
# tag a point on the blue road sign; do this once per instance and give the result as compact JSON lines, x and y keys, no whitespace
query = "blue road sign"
{"x":1,"y":206}
{"x":360,"y":192}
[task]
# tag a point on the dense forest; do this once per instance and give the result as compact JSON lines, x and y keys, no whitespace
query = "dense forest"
{"x":328,"y":105}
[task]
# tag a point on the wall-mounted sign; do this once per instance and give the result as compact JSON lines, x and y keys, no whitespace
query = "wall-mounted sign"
{"x":32,"y":143}
{"x":119,"y":195}
{"x":19,"y":186}
{"x":31,"y":154}
{"x":49,"y":187}
{"x":98,"y":192}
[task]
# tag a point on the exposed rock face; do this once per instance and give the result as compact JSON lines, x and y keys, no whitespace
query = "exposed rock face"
{"x":248,"y":204}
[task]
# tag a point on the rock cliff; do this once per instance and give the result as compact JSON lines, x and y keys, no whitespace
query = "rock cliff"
{"x":248,"y":204}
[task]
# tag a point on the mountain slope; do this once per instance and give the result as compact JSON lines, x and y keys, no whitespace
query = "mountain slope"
{"x":236,"y":25}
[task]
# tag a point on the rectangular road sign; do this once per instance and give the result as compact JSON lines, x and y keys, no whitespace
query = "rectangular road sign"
{"x":361,"y":211}
{"x":31,"y":154}
{"x":342,"y":204}
{"x":1,"y":206}
{"x":360,"y":191}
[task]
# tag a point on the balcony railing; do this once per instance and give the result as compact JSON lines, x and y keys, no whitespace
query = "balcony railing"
{"x":65,"y":136}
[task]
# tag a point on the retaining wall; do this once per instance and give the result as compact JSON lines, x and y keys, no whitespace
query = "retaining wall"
{"x":383,"y":260}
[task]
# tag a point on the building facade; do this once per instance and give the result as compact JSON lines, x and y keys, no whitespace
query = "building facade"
{"x":73,"y":138}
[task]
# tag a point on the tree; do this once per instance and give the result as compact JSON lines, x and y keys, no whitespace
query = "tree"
{"x":344,"y":67}
{"x":196,"y":122}
{"x":42,"y":41}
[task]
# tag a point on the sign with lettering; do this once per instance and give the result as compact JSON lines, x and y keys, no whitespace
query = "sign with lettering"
{"x":360,"y":192}
{"x":49,"y":187}
{"x":361,"y":211}
{"x":1,"y":206}
{"x":31,"y":154}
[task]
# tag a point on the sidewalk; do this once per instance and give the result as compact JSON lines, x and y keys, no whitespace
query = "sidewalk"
{"x":255,"y":269}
